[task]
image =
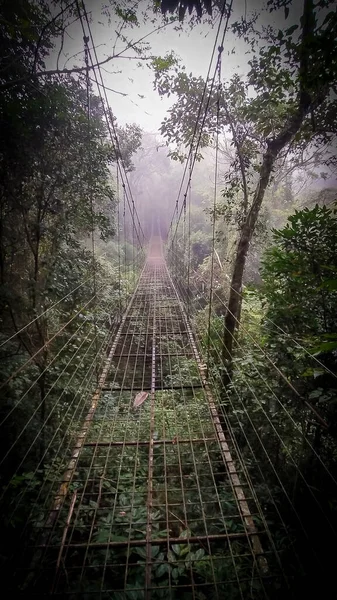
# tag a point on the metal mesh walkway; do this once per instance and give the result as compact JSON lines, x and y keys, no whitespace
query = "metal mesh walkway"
{"x":154,"y":503}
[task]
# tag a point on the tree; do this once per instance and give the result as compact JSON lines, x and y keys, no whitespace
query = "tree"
{"x":300,"y":276}
{"x":299,"y":291}
{"x":283,"y":108}
{"x":55,"y":190}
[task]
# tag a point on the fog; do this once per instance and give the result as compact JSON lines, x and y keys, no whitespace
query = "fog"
{"x":159,"y":183}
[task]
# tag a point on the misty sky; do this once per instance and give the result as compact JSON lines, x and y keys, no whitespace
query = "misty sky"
{"x":193,"y":46}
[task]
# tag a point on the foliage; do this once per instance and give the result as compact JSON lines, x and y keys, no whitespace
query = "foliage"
{"x":300,"y":273}
{"x":174,"y":5}
{"x":266,"y":116}
{"x":283,"y":387}
{"x":58,"y":301}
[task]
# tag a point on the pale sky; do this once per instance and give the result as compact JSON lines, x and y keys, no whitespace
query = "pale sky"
{"x":194,"y":47}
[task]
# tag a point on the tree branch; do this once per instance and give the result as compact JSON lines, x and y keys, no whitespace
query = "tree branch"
{"x":44,"y":29}
{"x":240,"y":157}
{"x":39,"y":74}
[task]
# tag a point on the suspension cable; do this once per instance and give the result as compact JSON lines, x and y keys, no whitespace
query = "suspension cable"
{"x":91,"y":201}
{"x":110,"y":122}
{"x":210,"y":301}
{"x":292,"y":339}
{"x":190,"y":153}
{"x":280,"y":373}
{"x":46,"y":344}
{"x":220,"y":49}
{"x":283,"y":407}
{"x":45,"y":312}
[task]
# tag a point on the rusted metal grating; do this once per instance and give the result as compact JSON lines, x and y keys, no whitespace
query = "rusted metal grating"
{"x":153,"y":504}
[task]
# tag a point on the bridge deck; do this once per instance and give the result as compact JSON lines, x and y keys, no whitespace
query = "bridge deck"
{"x":154,"y":503}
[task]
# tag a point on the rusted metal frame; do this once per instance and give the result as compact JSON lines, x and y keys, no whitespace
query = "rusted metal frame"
{"x":165,"y":464}
{"x":205,"y":488}
{"x":89,"y":468}
{"x":113,"y":509}
{"x":164,"y":323}
{"x":72,"y":464}
{"x":155,"y":442}
{"x":143,"y":317}
{"x":254,"y":498}
{"x":194,"y":469}
{"x":84,"y":392}
{"x":148,"y":566}
{"x":178,"y":310}
{"x":270,"y":494}
{"x":145,"y":367}
{"x":208,"y":520}
{"x":141,"y":388}
{"x":64,"y":537}
{"x":68,"y":474}
{"x":170,"y":333}
{"x":129,"y":332}
{"x":239,"y":493}
{"x":263,"y":566}
{"x":86,"y":481}
{"x":215,"y":488}
{"x":234,"y":516}
{"x":147,"y":355}
{"x":158,"y":541}
{"x":65,"y":531}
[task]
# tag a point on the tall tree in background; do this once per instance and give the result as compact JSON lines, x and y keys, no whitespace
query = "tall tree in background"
{"x":282,"y":109}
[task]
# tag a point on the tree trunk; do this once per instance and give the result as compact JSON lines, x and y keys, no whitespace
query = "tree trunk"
{"x":235,"y":299}
{"x":305,"y":103}
{"x":232,"y":318}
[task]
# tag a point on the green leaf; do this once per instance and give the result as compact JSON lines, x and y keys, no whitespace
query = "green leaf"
{"x":315,"y":394}
{"x":140,"y":551}
{"x":176,"y":549}
{"x":185,"y":534}
{"x":155,"y":551}
{"x":162,"y":569}
{"x":199,"y":554}
{"x":171,"y":556}
{"x":323,"y":347}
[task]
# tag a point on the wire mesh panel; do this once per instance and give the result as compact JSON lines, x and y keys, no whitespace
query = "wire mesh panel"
{"x":155,"y":503}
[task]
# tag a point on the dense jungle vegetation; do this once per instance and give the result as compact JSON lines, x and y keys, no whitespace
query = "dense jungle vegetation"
{"x":254,"y":255}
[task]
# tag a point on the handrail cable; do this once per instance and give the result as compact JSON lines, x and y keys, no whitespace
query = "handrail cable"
{"x":210,"y":301}
{"x":242,"y":461}
{"x":91,"y":200}
{"x":45,"y":370}
{"x":190,"y":153}
{"x":45,"y":311}
{"x":114,"y":137}
{"x":80,"y":392}
{"x":289,"y":336}
{"x":220,"y":49}
{"x":46,"y":344}
{"x":322,"y":421}
{"x":286,"y":410}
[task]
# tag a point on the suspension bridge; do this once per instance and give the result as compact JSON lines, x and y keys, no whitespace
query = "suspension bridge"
{"x":151,"y":497}
{"x":153,"y":502}
{"x":142,"y":482}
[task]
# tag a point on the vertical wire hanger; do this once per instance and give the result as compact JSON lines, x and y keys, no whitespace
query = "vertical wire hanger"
{"x":91,"y":200}
{"x":119,"y":246}
{"x":220,"y":49}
